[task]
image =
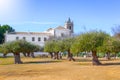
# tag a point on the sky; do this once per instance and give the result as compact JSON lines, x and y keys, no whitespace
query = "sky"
{"x":39,"y":15}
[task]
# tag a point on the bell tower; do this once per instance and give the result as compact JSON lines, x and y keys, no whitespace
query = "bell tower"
{"x":69,"y":25}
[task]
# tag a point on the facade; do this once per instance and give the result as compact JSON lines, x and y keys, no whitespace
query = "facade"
{"x":39,"y":38}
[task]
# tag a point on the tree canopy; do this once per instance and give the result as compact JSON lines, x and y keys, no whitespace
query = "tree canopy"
{"x":17,"y":47}
{"x":3,"y":29}
{"x":90,"y":42}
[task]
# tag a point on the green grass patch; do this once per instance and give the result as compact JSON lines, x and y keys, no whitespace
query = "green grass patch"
{"x":6,"y":61}
{"x":27,"y":60}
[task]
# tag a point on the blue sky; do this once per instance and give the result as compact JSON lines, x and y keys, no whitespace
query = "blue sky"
{"x":39,"y":15}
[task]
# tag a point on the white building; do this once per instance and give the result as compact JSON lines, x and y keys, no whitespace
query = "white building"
{"x":40,"y":37}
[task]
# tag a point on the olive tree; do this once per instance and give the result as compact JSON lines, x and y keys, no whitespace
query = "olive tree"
{"x":90,"y":41}
{"x":107,"y":46}
{"x":5,"y":49}
{"x":111,"y":45}
{"x":49,"y":48}
{"x":116,"y":46}
{"x":29,"y":48}
{"x":57,"y":47}
{"x":53,"y":46}
{"x":17,"y":47}
{"x":66,"y":45}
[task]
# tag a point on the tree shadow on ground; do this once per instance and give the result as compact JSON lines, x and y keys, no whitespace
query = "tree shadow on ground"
{"x":109,"y":64}
{"x":89,"y":60}
{"x":40,"y":62}
{"x":83,"y":60}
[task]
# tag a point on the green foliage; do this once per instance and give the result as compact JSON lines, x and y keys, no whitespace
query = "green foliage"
{"x":101,"y":55}
{"x":3,"y":29}
{"x":15,"y":46}
{"x":58,"y":45}
{"x":48,"y":46}
{"x":107,"y":44}
{"x":6,"y":61}
{"x":116,"y":46}
{"x":67,"y":43}
{"x":75,"y":48}
{"x":118,"y":54}
{"x":7,"y":28}
{"x":18,"y":47}
{"x":5,"y":48}
{"x":90,"y":41}
{"x":53,"y":46}
{"x":28,"y":47}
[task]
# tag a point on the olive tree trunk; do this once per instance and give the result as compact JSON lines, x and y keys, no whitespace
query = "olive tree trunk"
{"x":115,"y":55}
{"x":24,"y":54}
{"x":28,"y":54}
{"x":17,"y":58}
{"x":60,"y":55}
{"x":32,"y":55}
{"x":70,"y":56}
{"x":51,"y":54}
{"x":56,"y":56}
{"x":108,"y":56}
{"x":95,"y":60}
{"x":4,"y":55}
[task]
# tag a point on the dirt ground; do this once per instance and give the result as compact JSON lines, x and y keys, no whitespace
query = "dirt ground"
{"x":63,"y":70}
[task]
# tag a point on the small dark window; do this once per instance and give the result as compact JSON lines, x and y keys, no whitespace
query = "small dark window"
{"x":45,"y":38}
{"x":17,"y":38}
{"x":39,"y":39}
{"x":62,"y":35}
{"x":33,"y":38}
{"x":70,"y":27}
{"x":24,"y":38}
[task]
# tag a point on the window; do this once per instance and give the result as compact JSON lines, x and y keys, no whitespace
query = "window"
{"x":39,"y":39}
{"x":62,"y":35}
{"x":17,"y":38}
{"x":45,"y":38}
{"x":70,"y":27}
{"x":33,"y":39}
{"x":24,"y":38}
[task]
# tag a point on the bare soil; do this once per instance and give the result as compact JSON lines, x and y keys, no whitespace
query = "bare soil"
{"x":61,"y":70}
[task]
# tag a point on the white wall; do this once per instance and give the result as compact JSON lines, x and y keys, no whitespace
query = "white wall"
{"x":12,"y":37}
{"x":62,"y":31}
{"x":51,"y":31}
{"x":28,"y":36}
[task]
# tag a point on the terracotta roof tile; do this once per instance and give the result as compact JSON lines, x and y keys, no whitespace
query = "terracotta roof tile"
{"x":60,"y":27}
{"x":32,"y":33}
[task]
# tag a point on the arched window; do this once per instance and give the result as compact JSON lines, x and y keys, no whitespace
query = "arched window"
{"x":70,"y":27}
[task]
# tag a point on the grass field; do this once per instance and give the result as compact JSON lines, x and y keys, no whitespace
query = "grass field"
{"x":47,"y":69}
